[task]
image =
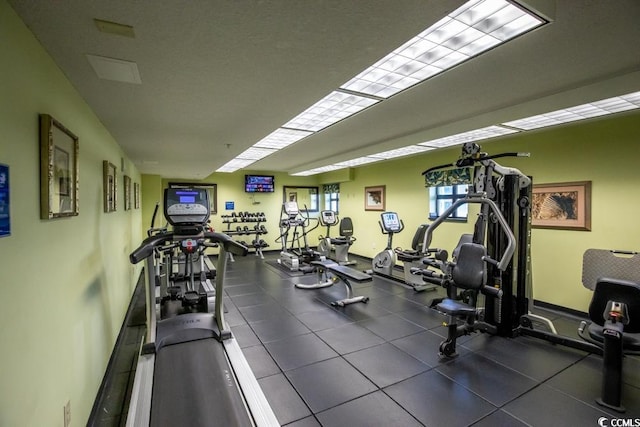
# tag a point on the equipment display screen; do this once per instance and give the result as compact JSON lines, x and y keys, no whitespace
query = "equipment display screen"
{"x":187,"y":199}
{"x":186,"y":206}
{"x":390,"y":221}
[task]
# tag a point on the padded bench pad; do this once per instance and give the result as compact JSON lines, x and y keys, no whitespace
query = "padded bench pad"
{"x":343,"y":271}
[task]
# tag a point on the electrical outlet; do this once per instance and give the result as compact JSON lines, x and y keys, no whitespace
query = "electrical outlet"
{"x":67,"y":414}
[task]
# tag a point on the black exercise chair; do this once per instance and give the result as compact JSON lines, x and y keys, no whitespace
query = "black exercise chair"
{"x":468,"y":273}
{"x":342,"y":243}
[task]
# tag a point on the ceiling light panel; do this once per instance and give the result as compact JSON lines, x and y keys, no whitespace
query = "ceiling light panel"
{"x":358,"y":162}
{"x":580,"y":112}
{"x":235,"y":164}
{"x":318,"y":170}
{"x":470,"y":136}
{"x":334,"y":107}
{"x":254,"y":153}
{"x":403,"y":151}
{"x":281,"y":138}
{"x":473,"y":28}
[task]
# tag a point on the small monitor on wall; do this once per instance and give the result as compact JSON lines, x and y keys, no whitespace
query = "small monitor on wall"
{"x":259,"y":184}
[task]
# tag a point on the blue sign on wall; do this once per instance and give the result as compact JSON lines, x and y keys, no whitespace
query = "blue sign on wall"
{"x":229,"y":206}
{"x":5,"y":220}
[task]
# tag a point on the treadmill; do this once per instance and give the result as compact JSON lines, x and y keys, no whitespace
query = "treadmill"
{"x":190,"y":369}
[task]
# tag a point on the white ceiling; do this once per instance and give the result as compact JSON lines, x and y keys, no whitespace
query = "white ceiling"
{"x":217,"y":76}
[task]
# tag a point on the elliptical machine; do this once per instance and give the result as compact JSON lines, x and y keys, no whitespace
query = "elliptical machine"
{"x":294,"y":256}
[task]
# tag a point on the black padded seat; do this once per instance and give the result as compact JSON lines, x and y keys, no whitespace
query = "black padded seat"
{"x":455,"y":308}
{"x":408,"y":255}
{"x":346,"y":233}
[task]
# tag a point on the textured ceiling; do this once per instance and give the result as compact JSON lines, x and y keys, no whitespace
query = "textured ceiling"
{"x":217,"y":76}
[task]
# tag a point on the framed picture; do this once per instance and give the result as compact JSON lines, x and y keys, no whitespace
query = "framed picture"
{"x":565,"y":205}
{"x":109,"y":186}
{"x":136,"y":195}
{"x":211,"y":189}
{"x":374,"y":198}
{"x":58,"y":170}
{"x":127,"y":193}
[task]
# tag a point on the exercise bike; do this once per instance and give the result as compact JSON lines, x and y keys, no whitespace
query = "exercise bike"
{"x":384,"y":263}
{"x":327,"y":219}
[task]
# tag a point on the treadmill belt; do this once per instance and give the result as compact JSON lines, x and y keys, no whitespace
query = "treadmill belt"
{"x":193,"y":385}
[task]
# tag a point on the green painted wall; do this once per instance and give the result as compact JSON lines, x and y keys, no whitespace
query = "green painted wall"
{"x":65,"y":283}
{"x":603,"y":151}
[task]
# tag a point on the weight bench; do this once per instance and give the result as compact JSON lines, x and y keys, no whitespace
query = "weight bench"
{"x":338,"y":273}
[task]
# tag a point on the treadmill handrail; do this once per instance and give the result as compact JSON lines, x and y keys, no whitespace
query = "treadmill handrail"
{"x":150,"y":243}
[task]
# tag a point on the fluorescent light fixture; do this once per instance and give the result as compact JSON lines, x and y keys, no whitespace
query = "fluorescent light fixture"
{"x":235,"y":164}
{"x":403,"y":151}
{"x":470,"y":136}
{"x":470,"y":30}
{"x":357,"y":162}
{"x":473,"y":28}
{"x":254,"y":153}
{"x":331,"y":109}
{"x":115,"y":69}
{"x":318,"y":170}
{"x":281,"y":138}
{"x":580,"y":112}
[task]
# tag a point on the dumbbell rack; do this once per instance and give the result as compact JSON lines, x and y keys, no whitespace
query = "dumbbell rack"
{"x":235,"y":227}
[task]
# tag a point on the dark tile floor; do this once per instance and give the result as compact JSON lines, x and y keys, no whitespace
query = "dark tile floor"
{"x":376,"y":364}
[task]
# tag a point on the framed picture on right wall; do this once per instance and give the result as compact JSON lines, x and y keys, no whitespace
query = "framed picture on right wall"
{"x":564,"y":206}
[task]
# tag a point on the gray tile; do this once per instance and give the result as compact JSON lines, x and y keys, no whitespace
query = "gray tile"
{"x":260,"y":361}
{"x":294,"y":352}
{"x":391,"y":327}
{"x":283,"y":399}
{"x":545,"y":406}
{"x":436,"y":400}
{"x":489,"y":380}
{"x":329,"y":383}
{"x":385,"y":364}
{"x":349,"y":338}
{"x":373,"y":410}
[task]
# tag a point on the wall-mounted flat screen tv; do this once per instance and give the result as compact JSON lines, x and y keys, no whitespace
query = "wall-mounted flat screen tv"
{"x":259,"y":183}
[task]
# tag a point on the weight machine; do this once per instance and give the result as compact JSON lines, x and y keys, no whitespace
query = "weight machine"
{"x":495,"y":261}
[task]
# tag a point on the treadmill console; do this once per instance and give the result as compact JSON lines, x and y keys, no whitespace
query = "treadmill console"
{"x":328,"y":218}
{"x":390,"y":222}
{"x":186,"y":206}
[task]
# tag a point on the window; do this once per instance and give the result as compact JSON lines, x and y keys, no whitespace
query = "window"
{"x":443,"y":196}
{"x":331,"y":196}
{"x":445,"y":188}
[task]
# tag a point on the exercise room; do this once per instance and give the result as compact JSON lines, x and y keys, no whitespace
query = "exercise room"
{"x":270,"y":213}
